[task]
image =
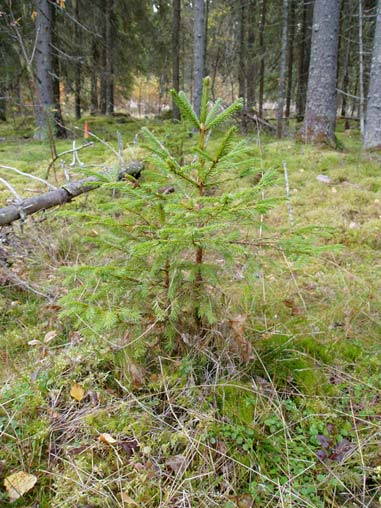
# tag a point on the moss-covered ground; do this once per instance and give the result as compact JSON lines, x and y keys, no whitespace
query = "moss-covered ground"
{"x":297,"y":425}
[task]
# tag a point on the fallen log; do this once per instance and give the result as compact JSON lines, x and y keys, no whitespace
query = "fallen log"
{"x":59,"y":196}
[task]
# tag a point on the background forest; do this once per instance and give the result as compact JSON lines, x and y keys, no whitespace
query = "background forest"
{"x":190,"y":206}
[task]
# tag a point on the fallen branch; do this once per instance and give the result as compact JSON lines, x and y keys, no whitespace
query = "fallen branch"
{"x":59,"y":196}
{"x":258,"y":120}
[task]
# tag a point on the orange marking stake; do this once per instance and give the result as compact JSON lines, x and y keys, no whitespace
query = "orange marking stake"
{"x":86,"y":131}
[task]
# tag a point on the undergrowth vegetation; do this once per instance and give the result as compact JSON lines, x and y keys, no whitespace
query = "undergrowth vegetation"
{"x":245,"y":376}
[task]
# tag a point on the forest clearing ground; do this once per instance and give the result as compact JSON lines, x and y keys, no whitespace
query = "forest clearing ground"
{"x":299,"y":426}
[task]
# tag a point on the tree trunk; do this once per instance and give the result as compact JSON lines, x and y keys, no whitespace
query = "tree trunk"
{"x":109,"y":59}
{"x":206,"y":71}
{"x":372,"y":138}
{"x":94,"y":103}
{"x":320,"y":116}
{"x":44,"y":69}
{"x":304,"y":59}
{"x":283,"y":66}
{"x":251,"y":64}
{"x":198,"y":52}
{"x":176,"y":27}
{"x":59,"y":124}
{"x":3,"y":102}
{"x":77,"y":79}
{"x":242,"y":52}
{"x":346,"y":64}
{"x":262,"y":57}
{"x":290,"y":56}
{"x":361,"y":75}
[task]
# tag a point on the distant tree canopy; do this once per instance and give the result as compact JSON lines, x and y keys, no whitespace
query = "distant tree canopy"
{"x":82,"y":56}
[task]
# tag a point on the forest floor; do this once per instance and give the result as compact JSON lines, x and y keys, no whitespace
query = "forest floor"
{"x":298,"y":425}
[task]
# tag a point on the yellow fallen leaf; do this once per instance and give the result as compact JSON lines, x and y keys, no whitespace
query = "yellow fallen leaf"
{"x":77,"y":392}
{"x":17,"y":484}
{"x":106,"y":438}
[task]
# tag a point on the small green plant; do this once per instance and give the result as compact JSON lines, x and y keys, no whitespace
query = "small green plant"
{"x":170,"y":243}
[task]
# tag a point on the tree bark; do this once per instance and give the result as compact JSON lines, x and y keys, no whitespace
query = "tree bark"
{"x":304,"y":58}
{"x":262,"y":57}
{"x":283,"y":66}
{"x":3,"y":102}
{"x":109,"y":59}
{"x":77,"y":79}
{"x":94,"y":103}
{"x":242,"y":52}
{"x":59,"y":124}
{"x":290,"y":56}
{"x":361,"y":70}
{"x":198,"y":52}
{"x":251,"y":64}
{"x":347,"y":25}
{"x":44,"y":68}
{"x":320,"y":116}
{"x":206,"y":70}
{"x":59,"y":196}
{"x":176,"y":27}
{"x":372,"y":138}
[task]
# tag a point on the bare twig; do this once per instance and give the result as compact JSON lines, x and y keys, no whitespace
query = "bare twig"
{"x":86,"y":145}
{"x":289,"y":207}
{"x":14,"y":279}
{"x":12,"y":189}
{"x":28,"y":175}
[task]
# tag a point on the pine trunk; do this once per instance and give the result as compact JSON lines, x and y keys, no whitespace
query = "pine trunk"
{"x":361,"y":75}
{"x":290,"y":57}
{"x":283,"y":66}
{"x":372,"y":138}
{"x":242,"y":52}
{"x":304,"y":44}
{"x":176,"y":27}
{"x":94,"y":103}
{"x":251,"y":65}
{"x":320,"y":116}
{"x":44,"y":69}
{"x":262,"y":57}
{"x":109,"y":59}
{"x":198,"y":52}
{"x":77,"y":79}
{"x":59,"y":125}
{"x":3,"y":102}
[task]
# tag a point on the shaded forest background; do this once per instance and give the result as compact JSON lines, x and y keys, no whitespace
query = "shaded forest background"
{"x":113,"y":56}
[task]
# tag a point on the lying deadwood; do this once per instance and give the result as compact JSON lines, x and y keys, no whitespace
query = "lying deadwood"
{"x":59,"y":196}
{"x":258,"y":120}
